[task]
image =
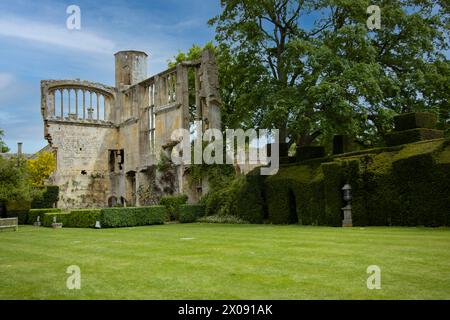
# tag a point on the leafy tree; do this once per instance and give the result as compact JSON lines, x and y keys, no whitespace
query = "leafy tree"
{"x":3,"y":147}
{"x":41,"y":168}
{"x":312,"y":68}
{"x":14,"y":181}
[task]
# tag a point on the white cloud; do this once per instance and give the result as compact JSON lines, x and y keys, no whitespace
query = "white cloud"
{"x":53,"y":34}
{"x":6,"y":80}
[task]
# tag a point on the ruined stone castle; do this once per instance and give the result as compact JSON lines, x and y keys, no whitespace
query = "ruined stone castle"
{"x":112,"y":143}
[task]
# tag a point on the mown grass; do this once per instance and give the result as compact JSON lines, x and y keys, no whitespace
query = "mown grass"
{"x":206,"y":261}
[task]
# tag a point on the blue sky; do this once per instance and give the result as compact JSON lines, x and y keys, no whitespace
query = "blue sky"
{"x":36,"y":45}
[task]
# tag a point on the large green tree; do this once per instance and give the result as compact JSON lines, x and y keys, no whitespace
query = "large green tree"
{"x":3,"y":147}
{"x":312,"y":68}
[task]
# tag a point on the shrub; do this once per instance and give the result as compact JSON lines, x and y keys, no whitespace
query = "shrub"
{"x":191,"y":212}
{"x":146,"y":216}
{"x":222,"y":219}
{"x":250,"y":198}
{"x":415,"y":120}
{"x":73,"y":219}
{"x":333,"y":181}
{"x":310,"y":152}
{"x":61,"y":217}
{"x":34,"y":213}
{"x":413,"y":135}
{"x":47,"y":199}
{"x":19,"y":209}
{"x":409,"y":186}
{"x":342,"y":144}
{"x":295,"y":195}
{"x":132,"y":217}
{"x":223,"y":200}
{"x":172,"y":203}
{"x":83,"y":218}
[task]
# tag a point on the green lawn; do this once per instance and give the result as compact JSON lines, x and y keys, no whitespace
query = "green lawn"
{"x":202,"y":261}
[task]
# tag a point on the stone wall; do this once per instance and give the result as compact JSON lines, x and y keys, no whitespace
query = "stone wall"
{"x":109,"y":141}
{"x":82,"y":163}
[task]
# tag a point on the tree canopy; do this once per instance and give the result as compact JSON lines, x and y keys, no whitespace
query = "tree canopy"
{"x":3,"y":147}
{"x":41,"y":167}
{"x":312,"y":68}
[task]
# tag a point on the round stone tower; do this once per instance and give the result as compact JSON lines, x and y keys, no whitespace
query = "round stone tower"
{"x":131,"y":67}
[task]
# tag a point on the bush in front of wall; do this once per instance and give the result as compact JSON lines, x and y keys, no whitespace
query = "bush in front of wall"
{"x":61,"y":217}
{"x":222,"y":219}
{"x":223,"y":200}
{"x":47,"y":199}
{"x":85,"y":218}
{"x":172,"y":203}
{"x":250,"y":198}
{"x":34,"y":213}
{"x":132,"y":217}
{"x":190,"y":212}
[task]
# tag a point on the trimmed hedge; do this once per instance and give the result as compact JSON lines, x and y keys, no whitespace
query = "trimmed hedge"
{"x":84,"y":218}
{"x":172,"y":203}
{"x":109,"y":218}
{"x":190,"y":212}
{"x":34,"y":213}
{"x":415,"y":120}
{"x":48,"y":199}
{"x":132,"y":217}
{"x":223,"y":201}
{"x":296,"y":195}
{"x":61,"y":217}
{"x":73,"y":219}
{"x":251,"y":198}
{"x":412,"y":135}
{"x":409,"y":186}
{"x":222,"y":219}
{"x":310,"y":152}
{"x":342,"y":144}
{"x":19,"y":209}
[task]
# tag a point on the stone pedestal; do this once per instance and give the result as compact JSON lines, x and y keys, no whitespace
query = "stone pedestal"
{"x":38,"y":222}
{"x":57,"y":225}
{"x":347,"y":222}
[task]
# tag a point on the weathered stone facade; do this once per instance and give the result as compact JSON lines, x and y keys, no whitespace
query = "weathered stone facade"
{"x":110,"y":140}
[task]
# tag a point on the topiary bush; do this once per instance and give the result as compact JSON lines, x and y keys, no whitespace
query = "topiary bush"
{"x":296,"y":195}
{"x":132,"y":217}
{"x":85,"y":218}
{"x":405,"y":186}
{"x":250,"y":200}
{"x":60,"y":218}
{"x":333,"y":180}
{"x":172,"y":203}
{"x":310,"y":152}
{"x":73,"y":219}
{"x":223,"y":201}
{"x":146,"y":216}
{"x":190,"y":212}
{"x":34,"y":213}
{"x":415,"y":120}
{"x":413,"y":135}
